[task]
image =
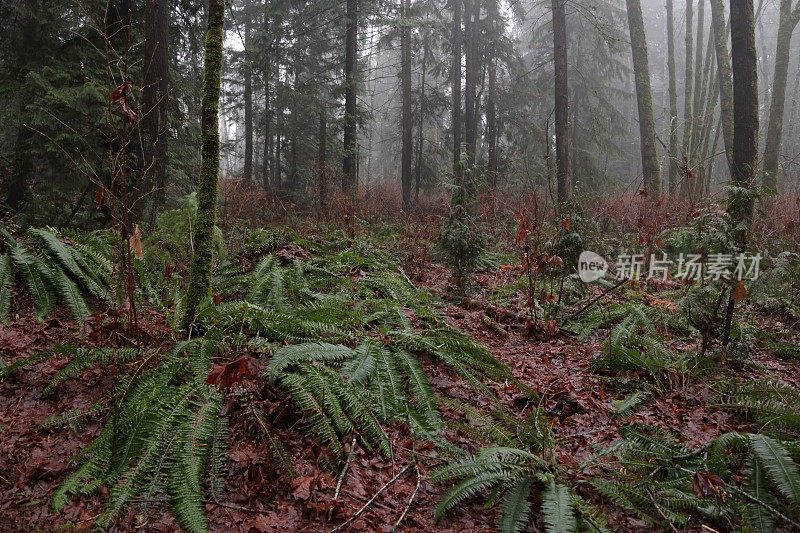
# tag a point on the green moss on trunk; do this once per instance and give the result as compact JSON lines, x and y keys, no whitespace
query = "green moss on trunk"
{"x":207,"y":189}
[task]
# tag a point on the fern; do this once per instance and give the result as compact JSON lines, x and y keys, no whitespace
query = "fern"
{"x":6,"y":280}
{"x":628,"y":405}
{"x":558,"y":509}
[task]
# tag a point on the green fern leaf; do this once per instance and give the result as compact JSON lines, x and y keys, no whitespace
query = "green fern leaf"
{"x":6,"y":279}
{"x":779,"y":466}
{"x":559,"y":516}
{"x":516,"y":510}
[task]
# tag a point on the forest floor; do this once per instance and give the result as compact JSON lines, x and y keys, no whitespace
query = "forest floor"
{"x":258,"y":497}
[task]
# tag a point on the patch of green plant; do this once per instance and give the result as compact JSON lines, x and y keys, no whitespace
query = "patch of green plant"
{"x":749,"y":479}
{"x":57,"y":269}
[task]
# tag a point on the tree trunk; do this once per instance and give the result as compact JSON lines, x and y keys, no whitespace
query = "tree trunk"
{"x":456,"y":89}
{"x":491,"y":123}
{"x":405,"y":120}
{"x":724,"y":76}
{"x":322,"y":164}
{"x":155,"y":103}
{"x":788,"y":21}
{"x":744,"y":64}
{"x":247,"y":172}
{"x":422,"y":112}
{"x":208,"y":184}
{"x":673,"y":101}
{"x":563,"y":172}
{"x":349,"y":163}
{"x":644,"y":99}
{"x":687,"y":98}
{"x":472,"y":13}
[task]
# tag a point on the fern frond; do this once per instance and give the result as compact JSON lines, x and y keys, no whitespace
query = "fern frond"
{"x":6,"y":280}
{"x":557,"y":508}
{"x":780,"y":468}
{"x":516,"y":510}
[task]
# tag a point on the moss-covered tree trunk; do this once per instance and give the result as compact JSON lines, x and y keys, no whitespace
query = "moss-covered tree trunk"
{"x":788,"y":21}
{"x":644,"y":99}
{"x":672,"y":179}
{"x":563,"y":170}
{"x":724,"y":76}
{"x":208,"y":184}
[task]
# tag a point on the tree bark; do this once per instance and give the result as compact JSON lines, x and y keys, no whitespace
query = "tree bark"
{"x":724,"y":76}
{"x":563,"y":170}
{"x":322,"y":164}
{"x":472,"y":67}
{"x":456,"y":89}
{"x":673,"y":101}
{"x":687,"y":98}
{"x":349,"y":163}
{"x":644,"y":100}
{"x":405,"y":119}
{"x":744,"y":64}
{"x":745,"y":108}
{"x":788,"y":21}
{"x":155,"y":102}
{"x":247,"y":171}
{"x":208,"y":184}
{"x":491,"y":123}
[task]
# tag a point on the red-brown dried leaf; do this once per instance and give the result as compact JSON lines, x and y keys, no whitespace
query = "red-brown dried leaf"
{"x":120,"y":91}
{"x":226,"y":375}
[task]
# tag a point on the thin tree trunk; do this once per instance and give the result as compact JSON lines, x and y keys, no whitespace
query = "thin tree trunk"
{"x":472,"y":13}
{"x":673,"y":100}
{"x":687,"y":98}
{"x":697,"y":102}
{"x":563,"y":171}
{"x":208,"y":184}
{"x":349,"y":162}
{"x":644,"y":99}
{"x":721,"y":31}
{"x":247,"y":171}
{"x":422,"y":111}
{"x":155,"y":102}
{"x":405,"y":119}
{"x":491,"y":122}
{"x":322,"y":164}
{"x":456,"y":89}
{"x":788,"y":21}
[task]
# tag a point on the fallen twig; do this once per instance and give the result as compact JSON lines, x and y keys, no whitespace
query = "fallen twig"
{"x":371,"y":500}
{"x":593,"y":300}
{"x":410,"y":500}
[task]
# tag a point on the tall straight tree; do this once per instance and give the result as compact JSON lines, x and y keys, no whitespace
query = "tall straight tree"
{"x":644,"y":99}
{"x":405,"y":119}
{"x":155,"y":103}
{"x":247,"y":172}
{"x":563,"y":171}
{"x":471,"y":74}
{"x":687,"y":95}
{"x":349,"y":162}
{"x":724,"y":75}
{"x":672,"y":179}
{"x":208,"y":184}
{"x":744,"y":64}
{"x":455,"y":73}
{"x":788,"y":21}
